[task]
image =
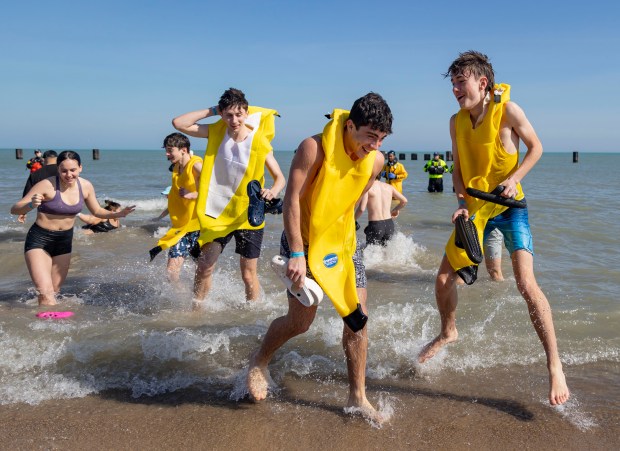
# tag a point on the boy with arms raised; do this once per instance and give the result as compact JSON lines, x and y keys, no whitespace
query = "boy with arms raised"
{"x":238,"y":150}
{"x":329,"y":173}
{"x":485,"y":143}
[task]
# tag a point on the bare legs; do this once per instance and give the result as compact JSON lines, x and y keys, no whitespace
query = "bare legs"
{"x":538,"y":307}
{"x":297,"y":321}
{"x":447,"y":299}
{"x":203,"y":281}
{"x":47,"y":273}
{"x":540,"y":315}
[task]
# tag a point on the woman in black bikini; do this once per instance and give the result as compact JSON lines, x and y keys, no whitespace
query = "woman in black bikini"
{"x":48,"y":244}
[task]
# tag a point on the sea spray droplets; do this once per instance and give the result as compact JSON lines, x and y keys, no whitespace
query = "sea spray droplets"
{"x":182,"y":344}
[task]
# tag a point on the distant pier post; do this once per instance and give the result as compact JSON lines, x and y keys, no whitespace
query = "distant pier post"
{"x":575,"y":157}
{"x":414,"y":156}
{"x":448,"y":155}
{"x":19,"y":154}
{"x":427,"y":156}
{"x":401,"y":156}
{"x":95,"y":154}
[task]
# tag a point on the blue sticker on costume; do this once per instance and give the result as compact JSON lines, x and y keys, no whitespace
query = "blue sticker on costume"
{"x":330,"y":260}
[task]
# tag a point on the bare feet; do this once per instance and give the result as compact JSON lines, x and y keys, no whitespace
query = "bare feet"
{"x":366,"y":410}
{"x":435,"y":345}
{"x":558,"y":390}
{"x":258,"y":380}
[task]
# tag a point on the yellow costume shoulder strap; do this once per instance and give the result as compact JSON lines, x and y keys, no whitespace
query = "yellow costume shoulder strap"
{"x":332,"y":240}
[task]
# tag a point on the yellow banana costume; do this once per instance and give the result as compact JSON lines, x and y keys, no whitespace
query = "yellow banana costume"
{"x":331,"y":233}
{"x":222,"y":204}
{"x":484,"y":164}
{"x":182,"y":211}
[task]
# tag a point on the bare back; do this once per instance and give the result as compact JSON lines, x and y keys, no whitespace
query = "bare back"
{"x":379,"y":201}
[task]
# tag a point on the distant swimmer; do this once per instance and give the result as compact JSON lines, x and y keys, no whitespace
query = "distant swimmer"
{"x":328,"y":174}
{"x":394,"y":172}
{"x":238,"y":151}
{"x":436,"y":168}
{"x":485,"y":138}
{"x":182,"y":196}
{"x":49,"y":241}
{"x":378,"y":201}
{"x":98,"y":225}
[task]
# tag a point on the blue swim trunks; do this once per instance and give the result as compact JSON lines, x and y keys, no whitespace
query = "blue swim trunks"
{"x":181,"y":249}
{"x":514,"y":225}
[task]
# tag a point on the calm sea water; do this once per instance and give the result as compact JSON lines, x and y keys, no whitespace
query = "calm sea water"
{"x":132,"y":331}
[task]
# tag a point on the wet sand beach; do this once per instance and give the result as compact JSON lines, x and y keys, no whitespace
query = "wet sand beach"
{"x":456,"y":412}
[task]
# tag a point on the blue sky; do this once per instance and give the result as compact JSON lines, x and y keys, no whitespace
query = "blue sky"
{"x":112,"y":75}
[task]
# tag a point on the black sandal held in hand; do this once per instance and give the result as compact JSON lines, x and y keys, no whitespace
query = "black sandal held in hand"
{"x":494,"y":196}
{"x":256,"y":208}
{"x":467,"y":238}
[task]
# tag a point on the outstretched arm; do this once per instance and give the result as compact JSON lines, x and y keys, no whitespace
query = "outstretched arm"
{"x":188,"y":122}
{"x":90,"y":200}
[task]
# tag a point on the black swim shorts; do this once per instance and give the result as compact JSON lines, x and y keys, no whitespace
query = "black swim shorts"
{"x":54,"y":242}
{"x":247,"y":242}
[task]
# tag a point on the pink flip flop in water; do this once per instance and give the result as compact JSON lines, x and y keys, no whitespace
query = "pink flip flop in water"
{"x":54,"y":315}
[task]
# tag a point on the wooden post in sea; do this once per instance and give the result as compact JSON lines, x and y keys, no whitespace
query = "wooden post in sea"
{"x":19,"y":154}
{"x":95,"y":154}
{"x":414,"y":156}
{"x":575,"y":157}
{"x":401,"y":156}
{"x":427,"y":156}
{"x":448,"y":155}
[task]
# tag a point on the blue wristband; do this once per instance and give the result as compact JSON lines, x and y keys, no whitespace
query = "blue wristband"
{"x":462,"y":203}
{"x":30,"y":205}
{"x":297,"y":254}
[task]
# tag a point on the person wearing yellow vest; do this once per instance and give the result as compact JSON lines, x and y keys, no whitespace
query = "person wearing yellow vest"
{"x":435,"y":168}
{"x":238,"y":150}
{"x":394,"y":172}
{"x":485,"y":137}
{"x":183,"y":234}
{"x":329,"y":173}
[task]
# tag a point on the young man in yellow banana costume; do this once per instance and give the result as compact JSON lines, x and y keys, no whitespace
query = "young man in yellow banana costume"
{"x":329,"y":173}
{"x":238,"y":150}
{"x":181,"y":203}
{"x":485,"y":143}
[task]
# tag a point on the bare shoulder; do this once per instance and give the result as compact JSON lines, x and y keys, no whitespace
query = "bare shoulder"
{"x":87,"y":187}
{"x":514,"y":112}
{"x":309,"y":152}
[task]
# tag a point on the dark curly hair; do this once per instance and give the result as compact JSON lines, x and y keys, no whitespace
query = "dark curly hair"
{"x":232,"y":98}
{"x":372,"y":110}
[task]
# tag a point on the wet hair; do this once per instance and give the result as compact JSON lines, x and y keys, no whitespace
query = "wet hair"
{"x":372,"y":110}
{"x":110,"y":205}
{"x":232,"y":98}
{"x":472,"y":63}
{"x":50,"y":154}
{"x":178,"y":140}
{"x":68,"y":155}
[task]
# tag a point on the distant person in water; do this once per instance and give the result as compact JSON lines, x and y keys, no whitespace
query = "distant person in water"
{"x":485,"y":137}
{"x":98,"y":225}
{"x":378,"y":201}
{"x":49,"y":241}
{"x":49,"y":169}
